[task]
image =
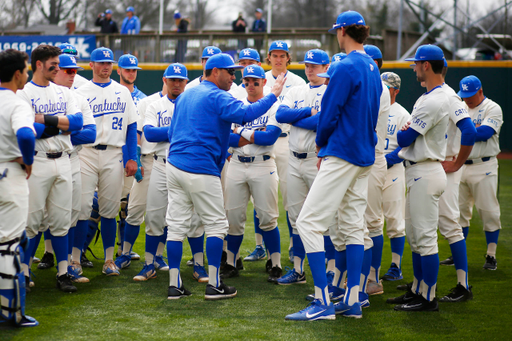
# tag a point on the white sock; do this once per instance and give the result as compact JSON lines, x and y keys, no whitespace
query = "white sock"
{"x":331,"y":265}
{"x":462,"y":278}
{"x":213,"y":276}
{"x":48,"y":245}
{"x":491,"y":249}
{"x":62,"y":268}
{"x":298,"y":264}
{"x":231,"y":258}
{"x":109,"y":253}
{"x":160,"y":249}
{"x":127,"y":248}
{"x":321,"y":294}
{"x":174,"y":278}
{"x":395,"y":258}
{"x":149,"y":258}
{"x":199,"y":259}
{"x":259,"y":239}
{"x":75,"y":255}
{"x":353,"y":295}
{"x":276,"y":259}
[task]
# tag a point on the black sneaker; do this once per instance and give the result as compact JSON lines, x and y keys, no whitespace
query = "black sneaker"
{"x":229,"y":271}
{"x":221,"y":292}
{"x":419,"y":303}
{"x":405,"y":298}
{"x":85,"y":262}
{"x":268,"y":266}
{"x":447,"y":261}
{"x":458,"y":294}
{"x":64,"y":283}
{"x":46,"y":262}
{"x":239,"y":264}
{"x":190,"y":262}
{"x":223,"y":259}
{"x":490,"y":263}
{"x":404,"y":287}
{"x":174,"y":293}
{"x":275,"y":273}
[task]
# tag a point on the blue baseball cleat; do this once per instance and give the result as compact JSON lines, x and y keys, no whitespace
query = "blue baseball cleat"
{"x":147,"y":272}
{"x":110,"y":268}
{"x":200,"y":274}
{"x":394,"y":273}
{"x":75,"y":274}
{"x":160,"y":264}
{"x":364,"y":299}
{"x":257,"y":254}
{"x":349,"y":310}
{"x":314,"y":311}
{"x":123,"y":261}
{"x":291,"y":277}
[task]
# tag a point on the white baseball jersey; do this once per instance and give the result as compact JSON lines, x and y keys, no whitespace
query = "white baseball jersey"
{"x":79,"y":81}
{"x":487,"y":113}
{"x":303,"y":140}
{"x":269,"y":118}
{"x":457,"y":112}
{"x":113,"y":109}
{"x":398,"y":117}
{"x":382,"y":121}
{"x":88,"y":118}
{"x":429,"y":118}
{"x":14,"y":115}
{"x":52,"y":100}
{"x":159,"y":114}
{"x":145,"y":146}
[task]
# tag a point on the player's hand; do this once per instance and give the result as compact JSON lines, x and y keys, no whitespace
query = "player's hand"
{"x":131,"y":168}
{"x":318,"y":163}
{"x":28,"y":170}
{"x":314,"y":111}
{"x":243,"y":142}
{"x":477,"y":125}
{"x":39,"y":118}
{"x":450,"y":166}
{"x":279,"y":85}
{"x":406,"y":126}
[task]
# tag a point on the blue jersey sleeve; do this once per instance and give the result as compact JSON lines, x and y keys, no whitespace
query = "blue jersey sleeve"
{"x":392,"y":158}
{"x":286,"y":114}
{"x":468,"y":130}
{"x":27,"y":143}
{"x":234,"y":139}
{"x":76,"y":122}
{"x":309,"y":123}
{"x":267,"y":137}
{"x":85,"y":136}
{"x":156,"y":134}
{"x":483,"y":133}
{"x":406,"y":138}
{"x":131,"y":141}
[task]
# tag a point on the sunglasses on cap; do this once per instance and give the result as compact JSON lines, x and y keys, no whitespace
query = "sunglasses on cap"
{"x":70,"y":71}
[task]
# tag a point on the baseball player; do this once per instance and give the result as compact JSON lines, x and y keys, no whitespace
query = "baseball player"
{"x":478,"y":185}
{"x":423,"y":145}
{"x":70,"y":49}
{"x":393,"y":194}
{"x":373,"y":215}
{"x":65,"y":77}
{"x":199,"y":137}
{"x":102,"y":162}
{"x":17,"y":141}
{"x":345,"y":142}
{"x":300,"y":108}
{"x":50,"y":185}
{"x":127,"y":69}
{"x":279,"y":58}
{"x":156,"y":127}
{"x":252,"y":171}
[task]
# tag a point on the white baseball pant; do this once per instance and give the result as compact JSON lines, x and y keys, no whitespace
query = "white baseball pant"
{"x":449,"y":213}
{"x":393,"y":201}
{"x":139,"y":193}
{"x":13,"y":201}
{"x":373,"y":214}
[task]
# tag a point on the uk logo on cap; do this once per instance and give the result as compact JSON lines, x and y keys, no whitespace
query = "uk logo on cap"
{"x":247,"y":53}
{"x":278,"y":45}
{"x":250,"y":69}
{"x":469,"y":86}
{"x":310,"y":55}
{"x":177,"y":69}
{"x":133,"y":61}
{"x":106,"y":53}
{"x":209,"y":51}
{"x":465,"y":87}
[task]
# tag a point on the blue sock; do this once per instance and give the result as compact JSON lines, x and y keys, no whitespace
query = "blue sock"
{"x":365,"y":268}
{"x":174,"y":254}
{"x":81,"y":230}
{"x":234,"y":243}
{"x":397,"y":246}
{"x":317,"y":265}
{"x":341,"y":265}
{"x":196,"y":244}
{"x":92,"y":229}
{"x":120,"y":238}
{"x":417,"y":270}
{"x":108,"y":233}
{"x":163,"y":237}
{"x":460,"y":259}
{"x":131,"y":232}
{"x":71,"y":239}
{"x":60,"y":247}
{"x":430,"y":268}
{"x":299,"y":251}
{"x":328,"y":245}
{"x":465,"y":231}
{"x":290,"y":229}
{"x":33,"y":243}
{"x":492,"y":237}
{"x":152,"y":244}
{"x":257,"y":229}
{"x":272,"y":241}
{"x":355,"y":255}
{"x":214,"y":254}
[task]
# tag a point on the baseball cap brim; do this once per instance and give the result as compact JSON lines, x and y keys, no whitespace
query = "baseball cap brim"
{"x":130,"y":67}
{"x":334,"y":29}
{"x":71,"y":67}
{"x":466,"y":94}
{"x":254,"y":76}
{"x":174,"y":76}
{"x":247,"y":58}
{"x":323,"y":75}
{"x":103,"y":61}
{"x":312,"y":62}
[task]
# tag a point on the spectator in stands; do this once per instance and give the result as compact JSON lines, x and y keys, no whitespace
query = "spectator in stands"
{"x":106,"y":23}
{"x":239,"y":26}
{"x":181,"y":46}
{"x":131,"y":24}
{"x":259,"y":26}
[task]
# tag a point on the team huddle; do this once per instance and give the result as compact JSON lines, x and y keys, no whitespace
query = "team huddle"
{"x":345,"y":155}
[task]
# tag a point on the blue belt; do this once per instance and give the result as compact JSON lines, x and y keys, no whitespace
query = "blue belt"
{"x":52,"y":155}
{"x":283,"y":135}
{"x":484,"y":159}
{"x":409,"y":163}
{"x":300,"y":155}
{"x":251,"y":158}
{"x":100,"y":147}
{"x":162,"y":158}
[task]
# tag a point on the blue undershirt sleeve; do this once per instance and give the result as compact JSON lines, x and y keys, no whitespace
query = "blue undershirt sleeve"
{"x":286,"y":114}
{"x":76,"y":121}
{"x":267,"y":137}
{"x":26,"y":142}
{"x":392,"y":158}
{"x":156,"y":134}
{"x":406,"y":137}
{"x":483,"y":133}
{"x":309,"y":123}
{"x":468,"y":130}
{"x":131,"y":141}
{"x":39,"y":127}
{"x":234,"y":139}
{"x":85,"y":136}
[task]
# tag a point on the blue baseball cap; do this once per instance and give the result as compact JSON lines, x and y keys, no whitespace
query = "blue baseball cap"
{"x":445,"y":63}
{"x":338,"y":57}
{"x":221,"y":61}
{"x":278,"y":45}
{"x":176,"y":70}
{"x":346,"y":19}
{"x":330,"y":71}
{"x":177,"y":15}
{"x":469,"y":86}
{"x":316,"y":56}
{"x":68,"y":61}
{"x":373,"y":51}
{"x":68,"y":49}
{"x":102,"y":54}
{"x":427,"y":52}
{"x":259,"y":10}
{"x":130,"y":9}
{"x":210,"y":51}
{"x":253,"y":71}
{"x":249,"y":53}
{"x":129,"y":62}
{"x":108,"y":11}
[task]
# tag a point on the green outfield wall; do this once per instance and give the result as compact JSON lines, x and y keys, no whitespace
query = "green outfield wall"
{"x":496,"y":77}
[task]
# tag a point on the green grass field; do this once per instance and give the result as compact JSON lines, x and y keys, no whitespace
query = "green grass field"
{"x":121,"y":309}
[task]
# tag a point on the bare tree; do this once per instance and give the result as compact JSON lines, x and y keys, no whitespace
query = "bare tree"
{"x":16,"y":12}
{"x":56,"y":10}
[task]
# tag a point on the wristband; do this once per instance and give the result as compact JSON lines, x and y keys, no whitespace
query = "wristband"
{"x":246,"y":134}
{"x":50,"y":120}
